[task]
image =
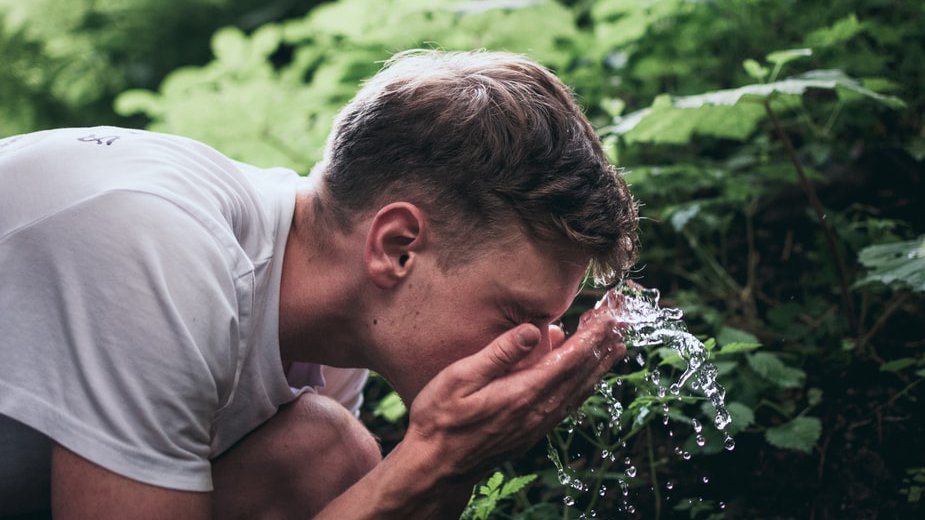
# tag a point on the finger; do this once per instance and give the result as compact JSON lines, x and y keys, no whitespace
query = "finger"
{"x":500,"y":356}
{"x":556,"y":336}
{"x":587,"y":355}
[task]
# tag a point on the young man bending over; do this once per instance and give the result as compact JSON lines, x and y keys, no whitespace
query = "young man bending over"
{"x":156,"y":295}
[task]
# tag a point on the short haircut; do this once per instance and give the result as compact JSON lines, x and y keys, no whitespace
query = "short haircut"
{"x":483,"y":142}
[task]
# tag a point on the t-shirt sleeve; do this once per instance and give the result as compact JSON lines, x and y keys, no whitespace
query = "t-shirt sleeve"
{"x":119,"y":334}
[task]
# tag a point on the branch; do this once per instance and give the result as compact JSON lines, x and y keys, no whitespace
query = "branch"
{"x":820,"y":216}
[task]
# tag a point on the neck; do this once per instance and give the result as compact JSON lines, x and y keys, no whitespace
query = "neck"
{"x":321,"y":301}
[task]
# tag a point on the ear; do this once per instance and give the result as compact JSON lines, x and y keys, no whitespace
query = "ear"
{"x":393,"y":243}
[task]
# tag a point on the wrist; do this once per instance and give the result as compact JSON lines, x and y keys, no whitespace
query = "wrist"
{"x":422,"y":483}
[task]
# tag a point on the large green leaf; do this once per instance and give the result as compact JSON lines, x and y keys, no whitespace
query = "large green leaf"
{"x":799,"y":434}
{"x":770,"y":367}
{"x":896,"y":263}
{"x":731,"y":113}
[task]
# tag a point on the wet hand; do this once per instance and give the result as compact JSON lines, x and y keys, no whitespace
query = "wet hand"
{"x":497,"y":403}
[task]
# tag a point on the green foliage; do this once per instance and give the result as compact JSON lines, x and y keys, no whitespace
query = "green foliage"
{"x":495,"y":490}
{"x":391,"y":408}
{"x":915,"y":485}
{"x":680,"y":91}
{"x":899,"y":263}
{"x":799,"y":434}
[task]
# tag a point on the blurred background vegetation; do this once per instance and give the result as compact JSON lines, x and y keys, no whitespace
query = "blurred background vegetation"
{"x":777,"y":147}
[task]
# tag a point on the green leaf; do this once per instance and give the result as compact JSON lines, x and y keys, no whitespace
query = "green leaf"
{"x":837,"y":33}
{"x":799,"y":434}
{"x":780,"y":58}
{"x":516,"y":484}
{"x":770,"y":367}
{"x":814,"y":396}
{"x":492,"y":484}
{"x":391,"y":408}
{"x":899,"y":263}
{"x":722,"y":113}
{"x":898,"y":364}
{"x":742,"y":416}
{"x":671,"y":357}
{"x":729,"y":335}
{"x":229,"y":45}
{"x":755,"y":69}
{"x":735,"y":348}
{"x":138,"y":101}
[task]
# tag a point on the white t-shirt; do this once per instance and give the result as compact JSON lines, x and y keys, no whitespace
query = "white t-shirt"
{"x":139,"y":292}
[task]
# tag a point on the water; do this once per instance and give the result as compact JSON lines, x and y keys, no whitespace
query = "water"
{"x":645,"y":324}
{"x":648,"y":324}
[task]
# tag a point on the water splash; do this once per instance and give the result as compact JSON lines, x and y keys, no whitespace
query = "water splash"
{"x":645,"y":323}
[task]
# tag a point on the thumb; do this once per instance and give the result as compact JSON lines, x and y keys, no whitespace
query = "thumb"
{"x":501,"y":355}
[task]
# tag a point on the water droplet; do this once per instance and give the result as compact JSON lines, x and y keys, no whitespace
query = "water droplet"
{"x":605,"y":454}
{"x":627,"y":461}
{"x":669,"y":485}
{"x":696,"y":424}
{"x":700,"y":440}
{"x":602,"y":491}
{"x":569,"y":501}
{"x":675,"y":389}
{"x":630,"y":509}
{"x":631,"y":471}
{"x":661,"y":392}
{"x":729,"y":443}
{"x":722,"y":505}
{"x":686,"y":455}
{"x":640,"y":359}
{"x":706,"y":479}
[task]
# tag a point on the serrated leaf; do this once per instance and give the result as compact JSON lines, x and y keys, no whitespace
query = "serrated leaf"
{"x":516,"y":484}
{"x":742,"y":417}
{"x":799,"y":434}
{"x":771,"y":368}
{"x":492,"y":484}
{"x":901,"y":263}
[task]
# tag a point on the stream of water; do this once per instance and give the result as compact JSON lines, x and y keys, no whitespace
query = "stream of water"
{"x":646,"y":324}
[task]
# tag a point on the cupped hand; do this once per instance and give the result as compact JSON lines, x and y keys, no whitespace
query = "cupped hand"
{"x":495,"y":404}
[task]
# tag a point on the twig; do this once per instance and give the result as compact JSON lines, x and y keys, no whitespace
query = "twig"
{"x":820,"y":215}
{"x":881,"y":320}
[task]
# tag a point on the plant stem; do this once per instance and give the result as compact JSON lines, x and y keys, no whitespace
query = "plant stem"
{"x":820,"y":216}
{"x":891,"y":309}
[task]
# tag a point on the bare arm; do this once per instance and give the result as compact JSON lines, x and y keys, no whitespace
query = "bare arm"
{"x":81,"y":489}
{"x":476,"y":413}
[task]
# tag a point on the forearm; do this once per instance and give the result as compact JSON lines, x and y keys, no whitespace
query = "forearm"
{"x":410,"y":483}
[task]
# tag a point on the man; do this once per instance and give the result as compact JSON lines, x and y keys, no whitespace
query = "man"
{"x":155,"y":293}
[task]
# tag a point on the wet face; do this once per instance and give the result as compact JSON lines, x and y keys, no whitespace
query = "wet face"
{"x":438,"y":317}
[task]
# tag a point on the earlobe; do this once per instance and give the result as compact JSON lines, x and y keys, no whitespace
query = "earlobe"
{"x":396,"y":236}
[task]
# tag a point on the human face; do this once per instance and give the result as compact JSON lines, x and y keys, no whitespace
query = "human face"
{"x":440,"y":316}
